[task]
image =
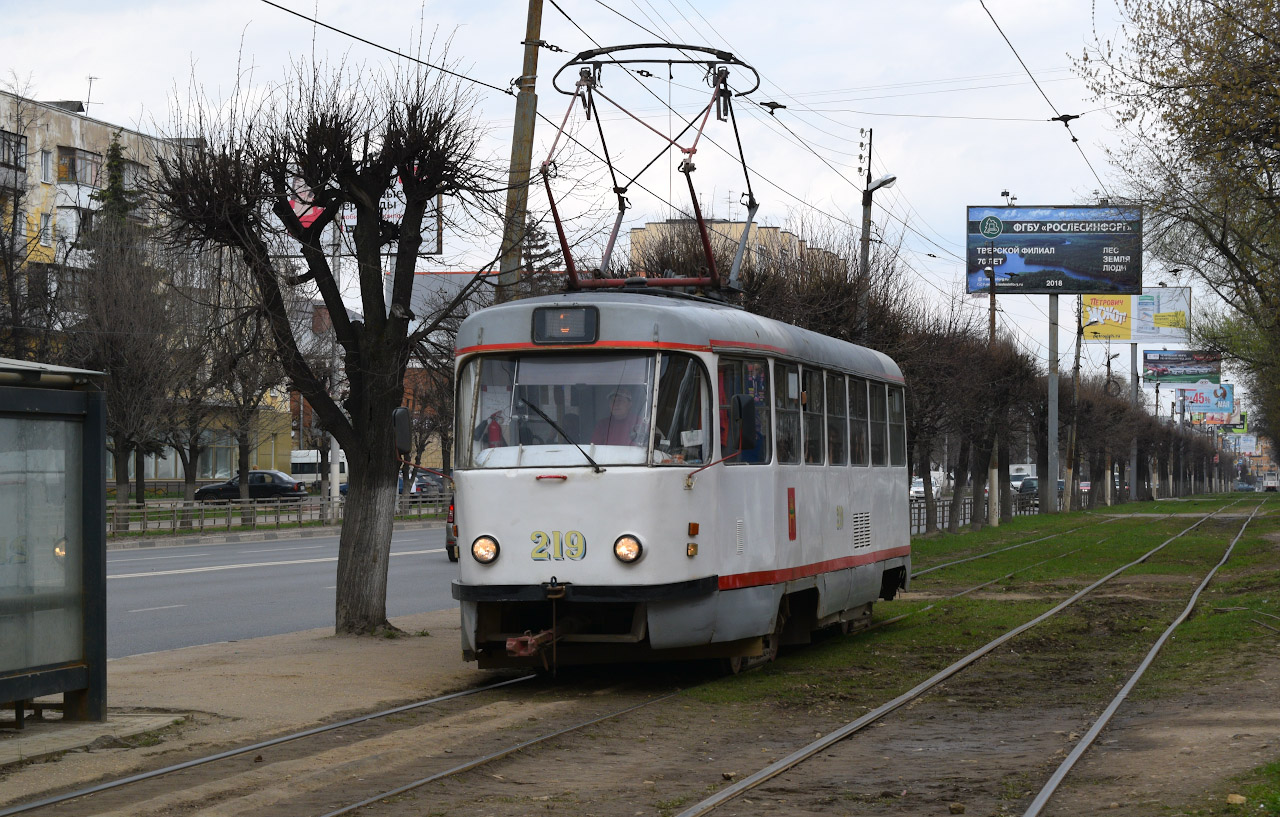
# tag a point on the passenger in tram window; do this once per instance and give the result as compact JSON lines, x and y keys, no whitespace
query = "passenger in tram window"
{"x":623,"y":426}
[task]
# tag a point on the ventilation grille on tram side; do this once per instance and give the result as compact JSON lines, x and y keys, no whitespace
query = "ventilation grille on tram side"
{"x":738,"y":533}
{"x":861,"y":529}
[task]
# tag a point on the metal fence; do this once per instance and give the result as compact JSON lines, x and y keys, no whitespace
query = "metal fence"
{"x":1021,"y":505}
{"x":177,"y":517}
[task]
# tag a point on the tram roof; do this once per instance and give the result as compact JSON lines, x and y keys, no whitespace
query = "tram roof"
{"x":641,"y":320}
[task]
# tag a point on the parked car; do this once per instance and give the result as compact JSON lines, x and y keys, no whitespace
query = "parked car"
{"x":917,"y":489}
{"x":1244,"y":487}
{"x":268,"y":484}
{"x":422,"y":484}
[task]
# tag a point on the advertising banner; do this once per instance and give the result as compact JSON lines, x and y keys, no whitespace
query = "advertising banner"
{"x":1208,"y":398}
{"x":1225,"y":421}
{"x":1180,"y":366}
{"x":1158,"y":315}
{"x":1039,"y":250}
{"x":1243,"y":443}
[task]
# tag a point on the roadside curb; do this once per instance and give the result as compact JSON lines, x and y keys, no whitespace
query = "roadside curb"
{"x":134,"y":543}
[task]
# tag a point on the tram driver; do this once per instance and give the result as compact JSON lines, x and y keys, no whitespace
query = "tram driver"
{"x":623,"y":425}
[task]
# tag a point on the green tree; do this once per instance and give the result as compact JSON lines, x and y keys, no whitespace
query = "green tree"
{"x":1195,"y":89}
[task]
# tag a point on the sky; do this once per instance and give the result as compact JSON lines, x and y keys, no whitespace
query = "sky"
{"x":955,"y":114}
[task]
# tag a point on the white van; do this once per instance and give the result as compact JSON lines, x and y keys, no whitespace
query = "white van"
{"x":304,"y":466}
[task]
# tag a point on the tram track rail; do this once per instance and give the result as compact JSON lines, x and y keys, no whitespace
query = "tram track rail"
{"x":711,"y":803}
{"x":510,"y":750}
{"x":255,"y":747}
{"x":824,"y":742}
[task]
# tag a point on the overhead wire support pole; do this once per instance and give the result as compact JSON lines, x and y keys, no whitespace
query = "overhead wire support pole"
{"x":993,"y":463}
{"x":1049,"y":484}
{"x":521,"y":157}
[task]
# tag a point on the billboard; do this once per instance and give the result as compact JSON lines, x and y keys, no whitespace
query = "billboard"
{"x":1039,"y":250}
{"x":1158,"y":315}
{"x":1208,"y":398}
{"x":1243,"y":444}
{"x":1180,"y":366}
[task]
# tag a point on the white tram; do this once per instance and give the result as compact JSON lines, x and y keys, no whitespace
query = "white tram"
{"x":646,"y":476}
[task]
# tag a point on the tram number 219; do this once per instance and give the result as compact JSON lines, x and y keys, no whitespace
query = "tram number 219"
{"x":558,"y":546}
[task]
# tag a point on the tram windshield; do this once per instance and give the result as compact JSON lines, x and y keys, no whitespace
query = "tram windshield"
{"x":530,"y":411}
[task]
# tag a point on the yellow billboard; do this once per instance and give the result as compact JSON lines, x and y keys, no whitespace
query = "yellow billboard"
{"x":1158,"y":315}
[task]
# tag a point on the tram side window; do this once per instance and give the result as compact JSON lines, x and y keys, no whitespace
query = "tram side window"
{"x":859,"y":437}
{"x":879,"y":424}
{"x":682,"y":421}
{"x":897,"y":427}
{"x":837,"y":421}
{"x":747,"y":376}
{"x":814,"y":424}
{"x":786,"y":400}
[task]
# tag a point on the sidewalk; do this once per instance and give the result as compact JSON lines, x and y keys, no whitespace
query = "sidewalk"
{"x":263,"y":535}
{"x":169,"y":706}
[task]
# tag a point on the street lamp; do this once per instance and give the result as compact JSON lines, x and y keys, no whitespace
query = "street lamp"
{"x":865,"y":295}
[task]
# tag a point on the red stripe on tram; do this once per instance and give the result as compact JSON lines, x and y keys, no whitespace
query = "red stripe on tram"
{"x":786,"y":574}
{"x":602,"y":344}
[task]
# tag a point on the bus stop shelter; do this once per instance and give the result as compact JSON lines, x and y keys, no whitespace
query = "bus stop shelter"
{"x":53,"y":608}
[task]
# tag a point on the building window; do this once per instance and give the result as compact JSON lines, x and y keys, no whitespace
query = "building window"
{"x":13,"y":150}
{"x":46,"y":166}
{"x":46,"y":229}
{"x":77,"y":166}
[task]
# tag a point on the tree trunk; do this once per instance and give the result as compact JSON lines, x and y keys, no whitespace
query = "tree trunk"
{"x":364,"y":546}
{"x":957,"y":495}
{"x":926,"y":474}
{"x":978,"y":481}
{"x":365,"y":543}
{"x":1006,"y":495}
{"x":446,"y":450}
{"x":242,"y":464}
{"x":121,"y":457}
{"x":140,"y":477}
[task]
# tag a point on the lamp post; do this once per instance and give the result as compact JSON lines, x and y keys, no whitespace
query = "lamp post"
{"x":864,"y":297}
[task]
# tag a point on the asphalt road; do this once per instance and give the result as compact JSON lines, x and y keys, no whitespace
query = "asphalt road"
{"x":165,"y":598}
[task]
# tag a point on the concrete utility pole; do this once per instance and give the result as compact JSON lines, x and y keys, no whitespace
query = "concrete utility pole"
{"x":993,"y":463}
{"x":864,"y":295}
{"x":1049,"y":482}
{"x":521,"y":158}
{"x":1069,"y":483}
{"x":1133,"y":446}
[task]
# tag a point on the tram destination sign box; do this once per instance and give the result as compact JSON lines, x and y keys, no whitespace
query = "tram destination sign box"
{"x":1047,"y":250}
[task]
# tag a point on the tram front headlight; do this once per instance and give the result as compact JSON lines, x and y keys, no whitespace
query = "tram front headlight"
{"x":628,"y":548}
{"x":484,"y":550}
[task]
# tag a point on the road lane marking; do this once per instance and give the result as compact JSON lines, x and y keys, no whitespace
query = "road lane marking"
{"x":149,"y":609}
{"x":253,"y":564}
{"x":276,"y":550}
{"x":150,"y":558}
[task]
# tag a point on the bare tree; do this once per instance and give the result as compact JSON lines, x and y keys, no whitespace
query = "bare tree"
{"x":275,"y":177}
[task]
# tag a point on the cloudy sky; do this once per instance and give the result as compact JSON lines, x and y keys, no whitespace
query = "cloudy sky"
{"x":955,"y":115}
